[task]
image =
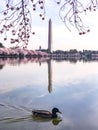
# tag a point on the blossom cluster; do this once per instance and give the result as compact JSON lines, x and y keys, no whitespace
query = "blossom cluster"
{"x":18,"y":52}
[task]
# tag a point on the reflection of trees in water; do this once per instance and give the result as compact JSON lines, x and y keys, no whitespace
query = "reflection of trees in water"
{"x":74,"y":60}
{"x":1,"y":66}
{"x":15,"y":61}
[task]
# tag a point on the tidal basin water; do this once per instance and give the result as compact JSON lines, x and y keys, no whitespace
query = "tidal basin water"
{"x":27,"y":85}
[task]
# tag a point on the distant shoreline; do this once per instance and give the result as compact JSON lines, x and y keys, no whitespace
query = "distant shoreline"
{"x":21,"y":53}
{"x":56,"y":55}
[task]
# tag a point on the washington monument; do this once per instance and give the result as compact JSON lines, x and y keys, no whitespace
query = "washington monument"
{"x":50,"y":35}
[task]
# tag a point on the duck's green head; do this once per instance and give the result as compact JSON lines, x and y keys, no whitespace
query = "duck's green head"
{"x":54,"y":111}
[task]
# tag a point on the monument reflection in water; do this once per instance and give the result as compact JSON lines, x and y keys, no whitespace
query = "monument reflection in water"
{"x":49,"y":76}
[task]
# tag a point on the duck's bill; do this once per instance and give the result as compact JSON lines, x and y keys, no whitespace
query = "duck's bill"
{"x":59,"y":115}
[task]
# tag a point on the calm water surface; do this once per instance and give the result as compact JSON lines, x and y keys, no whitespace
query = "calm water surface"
{"x":28,"y":85}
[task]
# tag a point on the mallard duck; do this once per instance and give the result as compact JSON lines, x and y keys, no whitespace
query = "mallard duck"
{"x":46,"y":114}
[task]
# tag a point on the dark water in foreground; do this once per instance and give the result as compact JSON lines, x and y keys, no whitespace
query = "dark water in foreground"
{"x":71,"y":87}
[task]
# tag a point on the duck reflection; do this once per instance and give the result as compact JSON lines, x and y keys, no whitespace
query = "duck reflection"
{"x":55,"y":121}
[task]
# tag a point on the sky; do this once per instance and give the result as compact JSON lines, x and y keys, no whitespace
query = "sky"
{"x":62,"y":38}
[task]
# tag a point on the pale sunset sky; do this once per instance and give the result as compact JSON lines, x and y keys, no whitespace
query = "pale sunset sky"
{"x":63,"y":39}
